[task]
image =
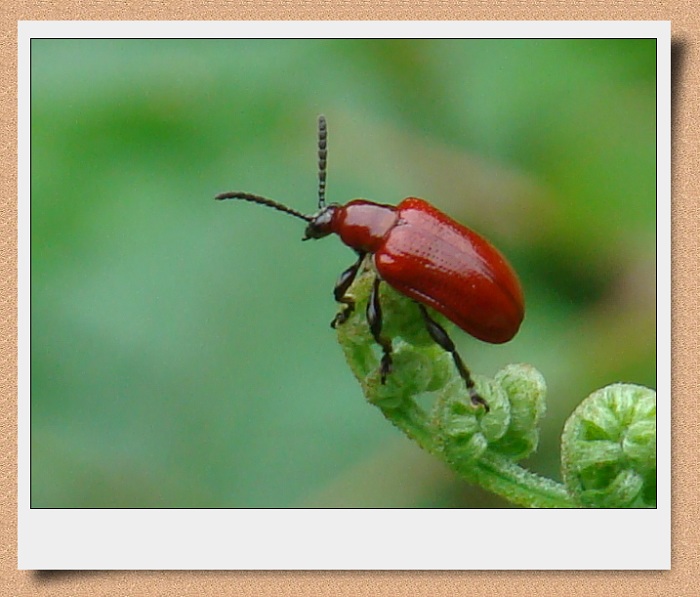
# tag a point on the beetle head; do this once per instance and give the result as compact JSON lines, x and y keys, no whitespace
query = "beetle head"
{"x":321,"y":223}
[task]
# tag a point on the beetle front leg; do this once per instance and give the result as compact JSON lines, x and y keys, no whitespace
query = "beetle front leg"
{"x":374,"y":318}
{"x":341,"y":287}
{"x":438,"y":333}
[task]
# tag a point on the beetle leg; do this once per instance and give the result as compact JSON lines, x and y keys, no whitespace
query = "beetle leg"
{"x":438,"y":333}
{"x":374,"y":318}
{"x":341,"y":287}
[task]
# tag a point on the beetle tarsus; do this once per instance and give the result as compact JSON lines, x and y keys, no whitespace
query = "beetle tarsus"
{"x":438,"y":333}
{"x":342,"y":316}
{"x":477,"y":400}
{"x":385,"y":367}
{"x":374,"y":318}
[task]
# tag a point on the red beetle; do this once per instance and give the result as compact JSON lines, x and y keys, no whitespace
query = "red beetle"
{"x":423,"y":254}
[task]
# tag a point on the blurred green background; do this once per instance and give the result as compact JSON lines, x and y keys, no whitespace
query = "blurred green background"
{"x":180,"y":348}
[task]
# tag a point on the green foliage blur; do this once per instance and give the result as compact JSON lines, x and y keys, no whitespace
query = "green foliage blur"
{"x":181,"y":354}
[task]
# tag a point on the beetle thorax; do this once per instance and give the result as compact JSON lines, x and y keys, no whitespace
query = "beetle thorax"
{"x":363,"y":225}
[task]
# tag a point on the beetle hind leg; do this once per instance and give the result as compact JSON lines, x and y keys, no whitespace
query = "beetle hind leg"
{"x":374,"y":318}
{"x":438,"y":333}
{"x":339,"y":292}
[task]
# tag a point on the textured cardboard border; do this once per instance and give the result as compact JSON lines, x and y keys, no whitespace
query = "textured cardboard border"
{"x":686,"y":537}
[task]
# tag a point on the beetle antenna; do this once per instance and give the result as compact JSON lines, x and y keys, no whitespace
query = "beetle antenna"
{"x":264,"y":201}
{"x":322,"y":155}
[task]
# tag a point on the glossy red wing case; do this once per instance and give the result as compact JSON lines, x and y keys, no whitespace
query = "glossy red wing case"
{"x":438,"y":262}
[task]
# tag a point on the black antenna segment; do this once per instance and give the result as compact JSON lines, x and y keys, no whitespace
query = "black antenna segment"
{"x":322,"y":155}
{"x":264,"y":201}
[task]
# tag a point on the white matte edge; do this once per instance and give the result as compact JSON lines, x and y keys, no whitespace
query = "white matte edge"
{"x":663,"y":281}
{"x":343,"y":539}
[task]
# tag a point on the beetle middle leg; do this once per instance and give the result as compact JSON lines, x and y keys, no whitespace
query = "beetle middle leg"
{"x":438,"y":333}
{"x":341,"y":287}
{"x":374,"y":318}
